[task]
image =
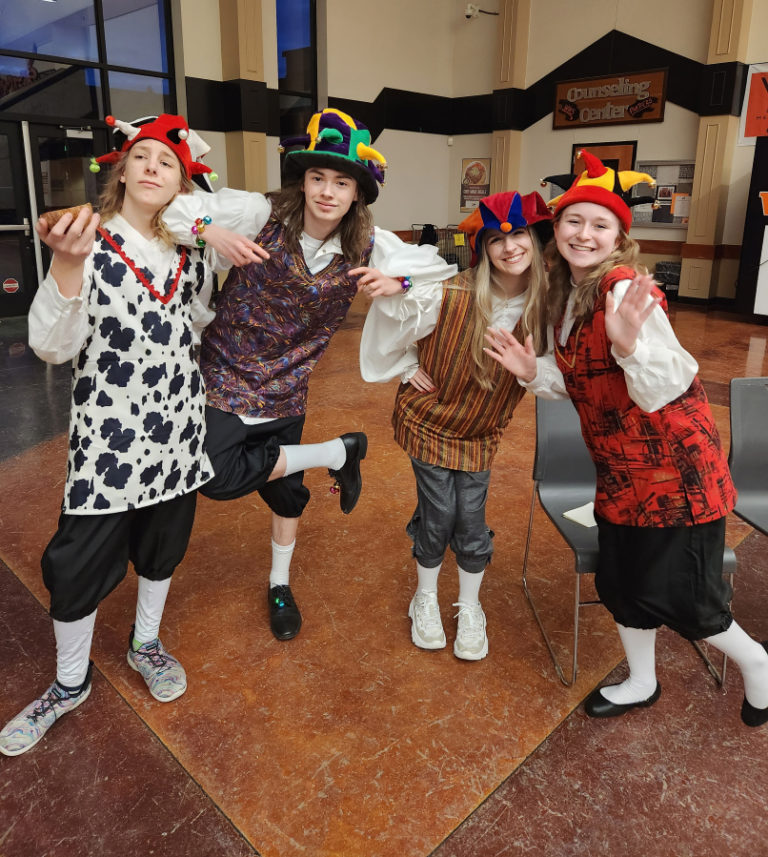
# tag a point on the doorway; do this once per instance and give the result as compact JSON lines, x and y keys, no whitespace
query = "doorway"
{"x":42,"y":168}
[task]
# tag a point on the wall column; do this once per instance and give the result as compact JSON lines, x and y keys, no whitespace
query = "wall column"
{"x":714,"y":156}
{"x":511,"y":63}
{"x":242,"y":58}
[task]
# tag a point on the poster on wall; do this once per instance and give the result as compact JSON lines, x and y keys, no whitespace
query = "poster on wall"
{"x":475,"y":181}
{"x":615,"y":100}
{"x":754,"y":113}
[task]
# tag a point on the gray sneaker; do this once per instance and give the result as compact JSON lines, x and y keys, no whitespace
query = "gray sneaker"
{"x":426,"y":625}
{"x":164,"y":675}
{"x":29,"y":726}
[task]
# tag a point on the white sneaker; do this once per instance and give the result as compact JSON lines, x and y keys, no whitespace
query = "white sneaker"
{"x":471,"y":640}
{"x":426,"y":625}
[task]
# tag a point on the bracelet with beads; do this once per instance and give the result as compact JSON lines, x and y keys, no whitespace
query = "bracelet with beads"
{"x":199,"y":228}
{"x":405,"y":283}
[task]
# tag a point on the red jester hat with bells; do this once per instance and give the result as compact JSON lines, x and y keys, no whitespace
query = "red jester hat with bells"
{"x":168,"y":129}
{"x":507,"y":212}
{"x":601,"y":185}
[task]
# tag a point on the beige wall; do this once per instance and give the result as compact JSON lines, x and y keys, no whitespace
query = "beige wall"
{"x":418,"y":45}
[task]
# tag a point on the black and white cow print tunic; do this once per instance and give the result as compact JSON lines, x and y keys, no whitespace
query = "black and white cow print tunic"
{"x":137,"y":422}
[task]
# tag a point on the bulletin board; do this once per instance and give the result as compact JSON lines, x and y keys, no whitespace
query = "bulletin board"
{"x":674,"y":187}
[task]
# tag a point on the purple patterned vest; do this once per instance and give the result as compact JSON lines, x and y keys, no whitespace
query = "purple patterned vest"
{"x":273,"y":323}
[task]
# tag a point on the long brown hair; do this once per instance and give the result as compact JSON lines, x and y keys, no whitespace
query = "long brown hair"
{"x":626,"y":253}
{"x":112,"y":197}
{"x":354,"y":231}
{"x":534,"y":319}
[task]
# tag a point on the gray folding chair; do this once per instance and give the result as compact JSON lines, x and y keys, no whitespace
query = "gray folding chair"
{"x":564,"y":479}
{"x":748,"y":456}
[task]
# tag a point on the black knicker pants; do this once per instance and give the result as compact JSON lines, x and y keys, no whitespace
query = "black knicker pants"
{"x":653,"y":576}
{"x":244,"y":455}
{"x":88,"y":555}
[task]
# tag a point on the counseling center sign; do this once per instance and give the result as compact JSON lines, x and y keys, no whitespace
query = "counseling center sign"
{"x":615,"y":100}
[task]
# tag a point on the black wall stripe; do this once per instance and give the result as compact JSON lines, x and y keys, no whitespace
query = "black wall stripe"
{"x":707,"y":90}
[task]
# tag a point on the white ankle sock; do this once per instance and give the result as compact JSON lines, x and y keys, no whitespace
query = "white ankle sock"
{"x":331,"y":454}
{"x":750,"y":657}
{"x":73,"y":649}
{"x":640,"y":649}
{"x":427,"y":577}
{"x":150,"y":603}
{"x":469,"y":586}
{"x":280,"y":573}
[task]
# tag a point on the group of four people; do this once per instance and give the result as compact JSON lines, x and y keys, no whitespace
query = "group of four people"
{"x":127,"y":300}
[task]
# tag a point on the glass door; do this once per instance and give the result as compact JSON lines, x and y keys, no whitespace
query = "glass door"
{"x":60,"y":164}
{"x":18,"y":275}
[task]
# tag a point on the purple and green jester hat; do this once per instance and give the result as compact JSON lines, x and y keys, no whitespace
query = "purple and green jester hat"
{"x":507,"y":212}
{"x":336,"y":141}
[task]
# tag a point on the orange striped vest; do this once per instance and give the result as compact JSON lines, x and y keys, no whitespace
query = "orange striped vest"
{"x":459,"y":425}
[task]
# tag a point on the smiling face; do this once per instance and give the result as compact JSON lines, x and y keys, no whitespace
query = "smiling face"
{"x":152,"y":176}
{"x":586,"y":234}
{"x":328,"y":196}
{"x":510,"y":255}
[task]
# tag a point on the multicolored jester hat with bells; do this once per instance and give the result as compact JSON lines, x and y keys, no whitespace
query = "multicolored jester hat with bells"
{"x":601,"y":185}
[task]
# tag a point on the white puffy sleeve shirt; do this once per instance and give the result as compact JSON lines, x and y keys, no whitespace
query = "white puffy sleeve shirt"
{"x":657,"y":372}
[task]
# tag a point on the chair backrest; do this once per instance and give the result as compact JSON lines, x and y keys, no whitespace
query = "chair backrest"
{"x":748,"y":456}
{"x":561,"y":454}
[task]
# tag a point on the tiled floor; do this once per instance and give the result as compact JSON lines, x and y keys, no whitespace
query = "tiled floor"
{"x":347,"y":740}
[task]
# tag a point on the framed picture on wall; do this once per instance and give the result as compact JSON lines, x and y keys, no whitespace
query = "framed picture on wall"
{"x":616,"y":156}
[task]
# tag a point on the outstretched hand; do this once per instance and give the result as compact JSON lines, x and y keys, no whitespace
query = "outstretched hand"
{"x":233,"y":246}
{"x":518,"y":359}
{"x":374,"y":284}
{"x":623,"y":324}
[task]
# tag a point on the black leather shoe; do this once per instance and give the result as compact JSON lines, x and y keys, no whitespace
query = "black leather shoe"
{"x":349,"y":478}
{"x":596,"y":705}
{"x":284,"y":616}
{"x":750,"y":715}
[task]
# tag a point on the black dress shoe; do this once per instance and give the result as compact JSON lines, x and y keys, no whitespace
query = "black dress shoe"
{"x":349,"y":478}
{"x":750,"y":715}
{"x":596,"y":705}
{"x":284,"y":616}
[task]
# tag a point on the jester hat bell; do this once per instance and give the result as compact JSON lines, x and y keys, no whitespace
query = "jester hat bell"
{"x":507,"y":212}
{"x":336,"y":141}
{"x":603,"y":186}
{"x":171,"y":130}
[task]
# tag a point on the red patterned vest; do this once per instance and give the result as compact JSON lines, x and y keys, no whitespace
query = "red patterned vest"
{"x":665,"y":469}
{"x":273,"y":323}
{"x":460,"y":425}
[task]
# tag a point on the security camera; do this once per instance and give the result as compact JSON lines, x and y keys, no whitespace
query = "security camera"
{"x":471,"y":11}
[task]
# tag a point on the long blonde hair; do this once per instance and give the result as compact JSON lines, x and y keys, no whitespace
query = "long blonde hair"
{"x":626,"y":253}
{"x":112,"y":196}
{"x":534,"y":319}
{"x":354,"y":231}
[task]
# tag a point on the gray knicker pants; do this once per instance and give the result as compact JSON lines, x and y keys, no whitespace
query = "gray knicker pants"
{"x":450,"y":511}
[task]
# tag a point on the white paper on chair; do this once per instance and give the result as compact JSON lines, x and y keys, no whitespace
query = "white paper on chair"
{"x":584,"y":515}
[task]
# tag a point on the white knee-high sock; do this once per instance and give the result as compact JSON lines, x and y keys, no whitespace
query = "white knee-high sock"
{"x":73,"y":649}
{"x":750,"y":657}
{"x":469,"y":586}
{"x":640,"y":649}
{"x":331,"y":454}
{"x":150,"y":603}
{"x":427,"y":577}
{"x":280,"y":573}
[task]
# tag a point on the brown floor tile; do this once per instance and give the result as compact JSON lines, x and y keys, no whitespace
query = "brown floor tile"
{"x":100,"y":782}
